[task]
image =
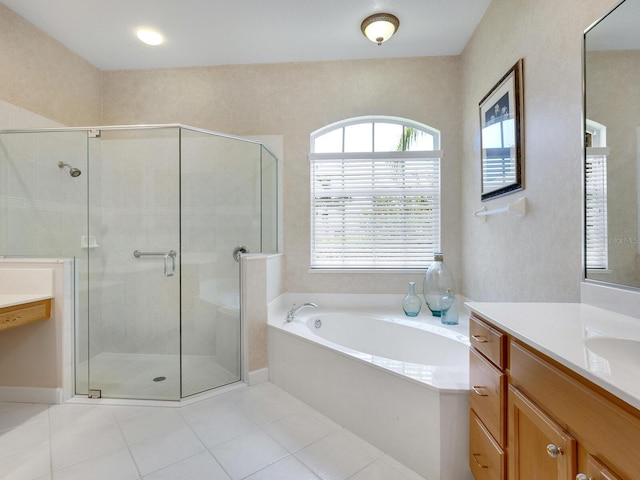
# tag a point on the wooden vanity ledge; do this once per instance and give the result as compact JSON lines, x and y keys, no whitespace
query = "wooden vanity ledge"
{"x":18,"y":315}
{"x":575,"y":377}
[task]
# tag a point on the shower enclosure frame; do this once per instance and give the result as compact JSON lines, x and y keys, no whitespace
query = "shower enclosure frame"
{"x":182,"y":131}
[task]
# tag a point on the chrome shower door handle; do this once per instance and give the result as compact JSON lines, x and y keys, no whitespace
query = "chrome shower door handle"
{"x":171,"y":254}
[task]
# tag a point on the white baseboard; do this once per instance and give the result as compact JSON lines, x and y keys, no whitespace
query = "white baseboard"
{"x":31,"y":395}
{"x":258,"y":376}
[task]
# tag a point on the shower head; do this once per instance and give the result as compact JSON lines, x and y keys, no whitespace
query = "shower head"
{"x":73,"y":171}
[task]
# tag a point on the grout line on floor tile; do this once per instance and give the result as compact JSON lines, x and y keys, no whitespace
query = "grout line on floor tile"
{"x":356,"y":473}
{"x":133,"y":459}
{"x":291,"y":455}
{"x":227,"y":473}
{"x":300,"y":448}
{"x":50,"y":431}
{"x":206,"y":450}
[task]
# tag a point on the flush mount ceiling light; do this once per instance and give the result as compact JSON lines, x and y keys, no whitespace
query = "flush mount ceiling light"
{"x":149,"y":36}
{"x":379,"y":27}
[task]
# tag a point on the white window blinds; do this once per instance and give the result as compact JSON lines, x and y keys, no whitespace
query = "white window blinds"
{"x":375,"y":211}
{"x":596,"y":208}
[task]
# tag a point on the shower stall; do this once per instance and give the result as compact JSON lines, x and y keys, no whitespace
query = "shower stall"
{"x":155,"y":218}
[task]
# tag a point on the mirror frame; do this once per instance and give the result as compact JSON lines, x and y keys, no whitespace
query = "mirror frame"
{"x":584,"y":144}
{"x":511,"y":86}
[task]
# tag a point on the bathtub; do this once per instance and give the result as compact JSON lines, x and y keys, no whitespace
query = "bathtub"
{"x":400,"y":383}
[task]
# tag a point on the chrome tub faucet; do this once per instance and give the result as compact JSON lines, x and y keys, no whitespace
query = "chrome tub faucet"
{"x":294,"y":310}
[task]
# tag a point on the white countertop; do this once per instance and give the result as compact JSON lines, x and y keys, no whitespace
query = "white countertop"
{"x":559,"y":330}
{"x":24,"y":285}
{"x":11,"y":300}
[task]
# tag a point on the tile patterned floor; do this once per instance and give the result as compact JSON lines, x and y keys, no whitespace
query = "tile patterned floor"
{"x":253,"y":433}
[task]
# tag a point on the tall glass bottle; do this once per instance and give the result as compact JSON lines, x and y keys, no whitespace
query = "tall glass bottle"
{"x":438,"y":287}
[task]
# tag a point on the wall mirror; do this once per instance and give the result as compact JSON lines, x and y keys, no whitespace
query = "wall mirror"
{"x":612,"y":147}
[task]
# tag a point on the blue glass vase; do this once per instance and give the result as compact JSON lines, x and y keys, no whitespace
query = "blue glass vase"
{"x":450,"y":315}
{"x":411,"y":303}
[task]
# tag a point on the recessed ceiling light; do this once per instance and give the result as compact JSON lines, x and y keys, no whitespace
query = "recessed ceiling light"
{"x":149,"y":36}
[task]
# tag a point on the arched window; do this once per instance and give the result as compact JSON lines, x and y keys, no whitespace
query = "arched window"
{"x":375,"y":195}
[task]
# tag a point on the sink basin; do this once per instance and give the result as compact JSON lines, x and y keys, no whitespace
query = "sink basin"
{"x":622,"y":354}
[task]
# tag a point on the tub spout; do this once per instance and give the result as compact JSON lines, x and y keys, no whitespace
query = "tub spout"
{"x":294,"y":310}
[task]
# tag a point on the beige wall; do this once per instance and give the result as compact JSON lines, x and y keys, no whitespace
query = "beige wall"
{"x":506,"y":258}
{"x":294,"y":100}
{"x":536,"y":258}
{"x":41,"y":75}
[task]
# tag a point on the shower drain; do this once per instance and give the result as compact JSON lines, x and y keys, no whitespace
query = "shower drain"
{"x":159,"y":379}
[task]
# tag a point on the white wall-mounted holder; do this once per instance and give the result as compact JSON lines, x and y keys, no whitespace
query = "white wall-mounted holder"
{"x":88,"y":241}
{"x":519,"y":207}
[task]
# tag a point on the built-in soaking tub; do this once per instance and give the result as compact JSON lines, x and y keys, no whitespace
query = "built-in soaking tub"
{"x":400,"y":383}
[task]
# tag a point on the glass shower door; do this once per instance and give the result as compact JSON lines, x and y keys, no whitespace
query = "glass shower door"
{"x":133,"y":245}
{"x":221,"y":196}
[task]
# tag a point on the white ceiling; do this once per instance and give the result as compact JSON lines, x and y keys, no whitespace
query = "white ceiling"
{"x":219,"y":32}
{"x":618,"y":30}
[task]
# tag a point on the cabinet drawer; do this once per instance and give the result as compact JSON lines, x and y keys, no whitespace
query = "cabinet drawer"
{"x":487,"y":395}
{"x":489,"y":342}
{"x":17,"y":316}
{"x":486,"y":458}
{"x":598,"y":471}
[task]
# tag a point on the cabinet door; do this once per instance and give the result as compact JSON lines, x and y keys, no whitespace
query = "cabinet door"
{"x":539,"y":449}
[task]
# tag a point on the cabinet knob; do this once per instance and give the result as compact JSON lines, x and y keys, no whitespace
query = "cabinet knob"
{"x":582,"y":476}
{"x":553,"y":450}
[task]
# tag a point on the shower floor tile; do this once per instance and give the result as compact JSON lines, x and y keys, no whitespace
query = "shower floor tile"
{"x":151,"y":377}
{"x":134,"y":446}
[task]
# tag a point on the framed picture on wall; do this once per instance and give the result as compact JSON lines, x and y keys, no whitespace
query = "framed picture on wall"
{"x":502,"y":136}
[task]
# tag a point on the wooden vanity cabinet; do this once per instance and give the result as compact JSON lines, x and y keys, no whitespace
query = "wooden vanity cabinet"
{"x":559,"y":425}
{"x":23,"y":314}
{"x":487,"y":400}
